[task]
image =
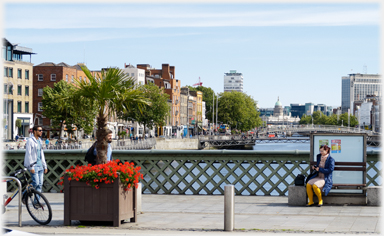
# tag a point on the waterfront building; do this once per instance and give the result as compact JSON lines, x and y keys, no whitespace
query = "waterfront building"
{"x":367,"y":112}
{"x":297,"y":110}
{"x":166,"y":78}
{"x":233,"y":81}
{"x":276,"y":115}
{"x":184,"y":93}
{"x":356,"y":87}
{"x":309,"y":108}
{"x":18,"y":94}
{"x":134,"y":128}
{"x":47,"y":74}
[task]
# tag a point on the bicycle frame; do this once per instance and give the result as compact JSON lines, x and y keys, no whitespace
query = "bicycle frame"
{"x":16,"y":192}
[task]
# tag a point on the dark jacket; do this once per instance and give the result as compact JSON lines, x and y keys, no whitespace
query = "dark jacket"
{"x":328,"y":171}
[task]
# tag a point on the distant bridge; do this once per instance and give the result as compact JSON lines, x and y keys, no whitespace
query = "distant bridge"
{"x":284,"y":135}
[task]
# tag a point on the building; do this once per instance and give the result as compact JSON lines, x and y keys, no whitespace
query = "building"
{"x":138,"y":75}
{"x":18,"y":94}
{"x":166,"y":78}
{"x":233,"y":81}
{"x":297,"y":110}
{"x":356,"y":87}
{"x":276,"y":116}
{"x":184,"y":93}
{"x":47,"y":74}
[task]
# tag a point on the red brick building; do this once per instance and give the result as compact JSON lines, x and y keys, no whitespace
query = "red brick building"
{"x":166,"y":78}
{"x":47,"y":74}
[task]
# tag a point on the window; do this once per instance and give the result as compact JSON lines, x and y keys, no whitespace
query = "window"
{"x":26,"y":107}
{"x":18,"y":89}
{"x":66,"y":78}
{"x":5,"y":71}
{"x":40,"y":92}
{"x":26,"y":90}
{"x":10,"y":72}
{"x":10,"y":89}
{"x":19,"y":73}
{"x":53,"y":77}
{"x":19,"y":107}
{"x":5,"y":88}
{"x":26,"y":74}
{"x":72,"y":78}
{"x":132,"y":74}
{"x":40,"y":106}
{"x":40,"y":121}
{"x":40,"y":77}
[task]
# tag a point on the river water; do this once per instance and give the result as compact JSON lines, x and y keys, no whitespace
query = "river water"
{"x":291,"y":146}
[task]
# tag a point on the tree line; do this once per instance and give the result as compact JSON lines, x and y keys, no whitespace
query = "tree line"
{"x":320,"y":119}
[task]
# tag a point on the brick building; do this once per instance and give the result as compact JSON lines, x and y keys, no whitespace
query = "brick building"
{"x":165,"y":78}
{"x":47,"y":74}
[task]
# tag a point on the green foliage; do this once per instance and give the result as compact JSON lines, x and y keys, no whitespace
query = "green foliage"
{"x":149,"y":116}
{"x":320,"y":119}
{"x":18,"y":123}
{"x":208,"y":94}
{"x":61,"y":107}
{"x":238,"y":109}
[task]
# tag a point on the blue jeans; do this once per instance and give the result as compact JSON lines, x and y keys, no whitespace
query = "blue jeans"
{"x":38,"y":177}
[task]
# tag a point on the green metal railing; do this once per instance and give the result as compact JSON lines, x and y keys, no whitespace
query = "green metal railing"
{"x":197,"y":172}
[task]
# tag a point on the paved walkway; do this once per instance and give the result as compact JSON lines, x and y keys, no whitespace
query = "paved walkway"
{"x":190,"y":214}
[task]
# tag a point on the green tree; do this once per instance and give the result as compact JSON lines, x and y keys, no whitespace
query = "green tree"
{"x":113,"y":92}
{"x":18,"y":124}
{"x":320,"y":119}
{"x":66,"y":111}
{"x":150,"y":116}
{"x":238,"y":109}
{"x":208,"y":95}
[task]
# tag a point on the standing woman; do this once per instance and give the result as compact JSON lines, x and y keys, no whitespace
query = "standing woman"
{"x":322,"y":182}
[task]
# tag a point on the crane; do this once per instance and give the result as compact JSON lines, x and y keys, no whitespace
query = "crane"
{"x":199,"y":83}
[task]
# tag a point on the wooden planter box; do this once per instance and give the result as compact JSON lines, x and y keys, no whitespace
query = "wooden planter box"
{"x":108,"y":203}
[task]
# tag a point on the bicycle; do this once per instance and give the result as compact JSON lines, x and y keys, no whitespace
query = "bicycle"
{"x":37,"y":204}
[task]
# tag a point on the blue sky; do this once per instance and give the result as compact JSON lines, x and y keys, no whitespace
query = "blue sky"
{"x":297,"y":52}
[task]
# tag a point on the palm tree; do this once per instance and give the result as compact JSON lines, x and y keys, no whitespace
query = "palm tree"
{"x":113,"y":92}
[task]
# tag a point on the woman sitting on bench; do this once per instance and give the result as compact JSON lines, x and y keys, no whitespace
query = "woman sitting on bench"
{"x":322,"y":181}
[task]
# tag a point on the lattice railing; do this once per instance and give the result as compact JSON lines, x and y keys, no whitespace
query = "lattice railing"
{"x":198,"y":172}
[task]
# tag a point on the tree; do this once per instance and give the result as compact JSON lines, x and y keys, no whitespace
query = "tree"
{"x":320,"y":119}
{"x":238,"y":109}
{"x":18,"y":124}
{"x":208,"y":94}
{"x":113,"y":92}
{"x":153,"y":115}
{"x":66,"y":111}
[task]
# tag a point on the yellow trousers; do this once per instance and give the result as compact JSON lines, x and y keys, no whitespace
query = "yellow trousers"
{"x":310,"y":190}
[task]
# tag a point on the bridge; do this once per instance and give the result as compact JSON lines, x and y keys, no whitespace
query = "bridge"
{"x":284,"y":134}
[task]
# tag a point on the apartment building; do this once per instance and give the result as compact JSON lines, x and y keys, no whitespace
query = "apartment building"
{"x":18,"y":94}
{"x":47,"y":74}
{"x":233,"y":81}
{"x":166,"y":78}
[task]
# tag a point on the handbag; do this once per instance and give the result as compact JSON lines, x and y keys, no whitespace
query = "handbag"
{"x":299,"y":180}
{"x":313,"y":173}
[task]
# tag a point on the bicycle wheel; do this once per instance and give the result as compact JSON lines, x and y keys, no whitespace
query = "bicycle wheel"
{"x":38,"y":207}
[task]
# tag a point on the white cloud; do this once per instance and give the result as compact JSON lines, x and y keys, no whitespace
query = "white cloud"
{"x":146,"y":16}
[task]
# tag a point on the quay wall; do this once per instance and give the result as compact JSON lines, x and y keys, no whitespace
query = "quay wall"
{"x":265,"y":173}
{"x":176,"y":144}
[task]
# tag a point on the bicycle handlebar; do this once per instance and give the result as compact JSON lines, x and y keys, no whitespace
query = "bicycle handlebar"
{"x":17,"y":172}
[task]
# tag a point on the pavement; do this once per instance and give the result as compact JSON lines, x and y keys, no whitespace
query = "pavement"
{"x":204,"y":215}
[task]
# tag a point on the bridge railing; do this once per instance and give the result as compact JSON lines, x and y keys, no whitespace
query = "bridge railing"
{"x":197,"y":172}
{"x":310,"y":127}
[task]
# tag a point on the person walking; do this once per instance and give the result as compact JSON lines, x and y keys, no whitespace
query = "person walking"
{"x":34,"y":158}
{"x":47,"y":143}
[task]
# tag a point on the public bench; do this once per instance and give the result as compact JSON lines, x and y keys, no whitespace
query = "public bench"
{"x":297,"y":195}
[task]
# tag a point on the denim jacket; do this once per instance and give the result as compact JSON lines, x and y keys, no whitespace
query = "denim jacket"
{"x":31,"y":153}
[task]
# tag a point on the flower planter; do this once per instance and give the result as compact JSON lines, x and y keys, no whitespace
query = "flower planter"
{"x":108,"y":203}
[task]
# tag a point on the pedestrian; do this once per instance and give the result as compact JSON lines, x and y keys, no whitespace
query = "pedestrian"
{"x":108,"y":138}
{"x":17,"y":137}
{"x":47,"y":143}
{"x":322,"y":181}
{"x":34,"y":159}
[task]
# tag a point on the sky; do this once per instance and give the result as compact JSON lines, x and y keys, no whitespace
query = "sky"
{"x":296,"y":52}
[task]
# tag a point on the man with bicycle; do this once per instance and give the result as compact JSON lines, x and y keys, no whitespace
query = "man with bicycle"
{"x":34,"y":158}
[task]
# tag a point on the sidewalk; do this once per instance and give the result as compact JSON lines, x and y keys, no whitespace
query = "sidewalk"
{"x":191,"y":214}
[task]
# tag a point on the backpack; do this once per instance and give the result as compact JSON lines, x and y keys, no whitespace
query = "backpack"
{"x":89,"y":157}
{"x":299,"y":180}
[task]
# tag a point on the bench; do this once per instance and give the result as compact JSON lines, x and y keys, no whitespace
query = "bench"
{"x":298,"y":195}
{"x":348,"y":166}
